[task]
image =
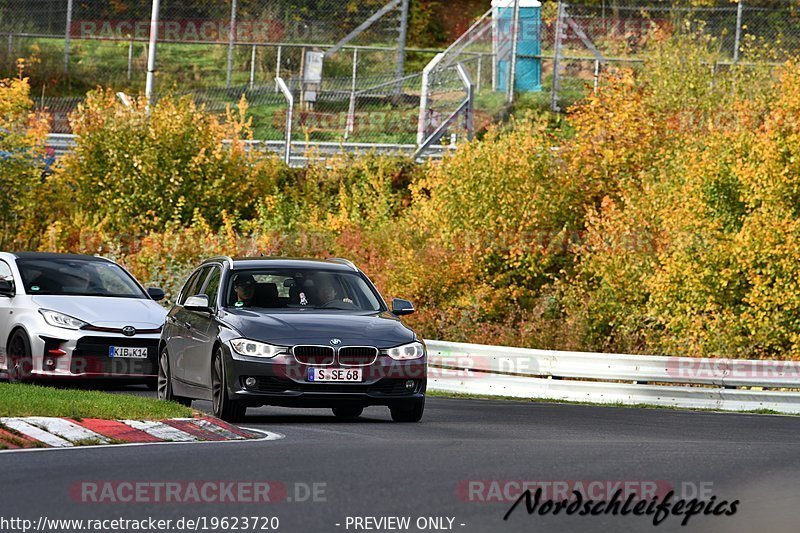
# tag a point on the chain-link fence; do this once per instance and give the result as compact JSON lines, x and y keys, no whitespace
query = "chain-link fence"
{"x":217,"y":51}
{"x":361,"y":90}
{"x":596,"y":36}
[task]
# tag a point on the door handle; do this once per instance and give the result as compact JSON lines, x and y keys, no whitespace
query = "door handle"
{"x":177,"y":322}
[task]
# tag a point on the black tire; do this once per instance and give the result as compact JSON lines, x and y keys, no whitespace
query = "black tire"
{"x":18,"y":358}
{"x":222,"y":405}
{"x":347,"y":412}
{"x":408,"y":412}
{"x":164,"y":382}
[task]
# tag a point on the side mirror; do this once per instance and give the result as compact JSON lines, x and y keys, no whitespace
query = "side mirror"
{"x":156,"y":293}
{"x":401,"y":307}
{"x":198,"y":303}
{"x":6,"y":288}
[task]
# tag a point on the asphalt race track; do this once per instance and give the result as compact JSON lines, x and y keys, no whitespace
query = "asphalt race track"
{"x":375,"y":468}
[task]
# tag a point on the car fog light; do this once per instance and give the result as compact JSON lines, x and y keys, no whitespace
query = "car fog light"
{"x":250,"y":382}
{"x":410,"y":384}
{"x":49,"y":362}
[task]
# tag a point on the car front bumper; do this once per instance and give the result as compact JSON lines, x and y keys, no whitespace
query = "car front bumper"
{"x":283,"y":381}
{"x":62,"y":353}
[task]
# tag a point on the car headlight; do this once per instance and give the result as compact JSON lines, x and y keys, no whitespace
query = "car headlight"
{"x":415,"y":350}
{"x":256,"y":349}
{"x":60,"y":320}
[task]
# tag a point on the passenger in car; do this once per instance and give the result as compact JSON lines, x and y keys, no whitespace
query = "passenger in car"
{"x":245,"y":287}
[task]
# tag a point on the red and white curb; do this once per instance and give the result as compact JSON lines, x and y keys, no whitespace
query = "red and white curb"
{"x":40,"y":432}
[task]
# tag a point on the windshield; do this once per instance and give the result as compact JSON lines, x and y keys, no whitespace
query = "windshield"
{"x":301,"y":289}
{"x":77,"y":277}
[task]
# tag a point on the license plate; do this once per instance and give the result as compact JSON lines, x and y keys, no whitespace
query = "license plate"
{"x":335,"y":374}
{"x":127,"y":351}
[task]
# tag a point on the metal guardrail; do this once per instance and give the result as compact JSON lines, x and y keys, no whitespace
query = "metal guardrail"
{"x":613,"y":378}
{"x":302,"y":153}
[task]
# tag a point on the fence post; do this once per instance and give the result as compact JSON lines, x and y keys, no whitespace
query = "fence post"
{"x":713,"y":73}
{"x":495,"y":49}
{"x":278,"y":69}
{"x":287,"y":156}
{"x":422,"y":123}
{"x":351,"y":111}
{"x":596,"y":74}
{"x":514,"y":45}
{"x":231,"y":40}
{"x":738,"y":40}
{"x":480,"y":72}
{"x":556,"y":55}
{"x":130,"y":58}
{"x":151,"y":54}
{"x":66,"y":37}
{"x":11,"y":51}
{"x":401,"y":42}
{"x":469,"y":85}
{"x":253,"y":68}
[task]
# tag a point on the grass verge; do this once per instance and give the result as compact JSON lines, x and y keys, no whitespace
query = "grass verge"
{"x":442,"y":394}
{"x":35,"y":400}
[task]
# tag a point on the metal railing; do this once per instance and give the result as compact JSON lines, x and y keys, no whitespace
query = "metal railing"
{"x":724,"y":384}
{"x":301,"y":153}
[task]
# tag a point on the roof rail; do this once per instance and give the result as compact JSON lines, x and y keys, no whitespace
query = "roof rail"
{"x":343,"y":261}
{"x":224,"y":258}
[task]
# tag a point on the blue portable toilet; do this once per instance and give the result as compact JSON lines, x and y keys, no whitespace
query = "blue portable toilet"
{"x":529,"y":69}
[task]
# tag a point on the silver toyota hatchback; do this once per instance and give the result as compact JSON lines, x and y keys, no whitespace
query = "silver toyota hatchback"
{"x":68,"y":316}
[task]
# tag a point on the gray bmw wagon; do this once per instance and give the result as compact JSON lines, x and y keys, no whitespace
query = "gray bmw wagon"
{"x":291,"y":332}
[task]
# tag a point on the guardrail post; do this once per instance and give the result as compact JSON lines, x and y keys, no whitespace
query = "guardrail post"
{"x":351,"y":111}
{"x":287,"y":157}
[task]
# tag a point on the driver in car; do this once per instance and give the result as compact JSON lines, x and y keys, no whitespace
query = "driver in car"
{"x":245,"y":287}
{"x":327,"y":293}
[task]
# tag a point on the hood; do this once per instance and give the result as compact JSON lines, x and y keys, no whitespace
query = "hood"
{"x":382,"y":330}
{"x":107,"y":312}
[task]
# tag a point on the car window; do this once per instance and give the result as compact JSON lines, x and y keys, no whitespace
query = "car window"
{"x":193,"y":285}
{"x":301,"y":289}
{"x":5,"y":271}
{"x":212,"y":286}
{"x":77,"y":277}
